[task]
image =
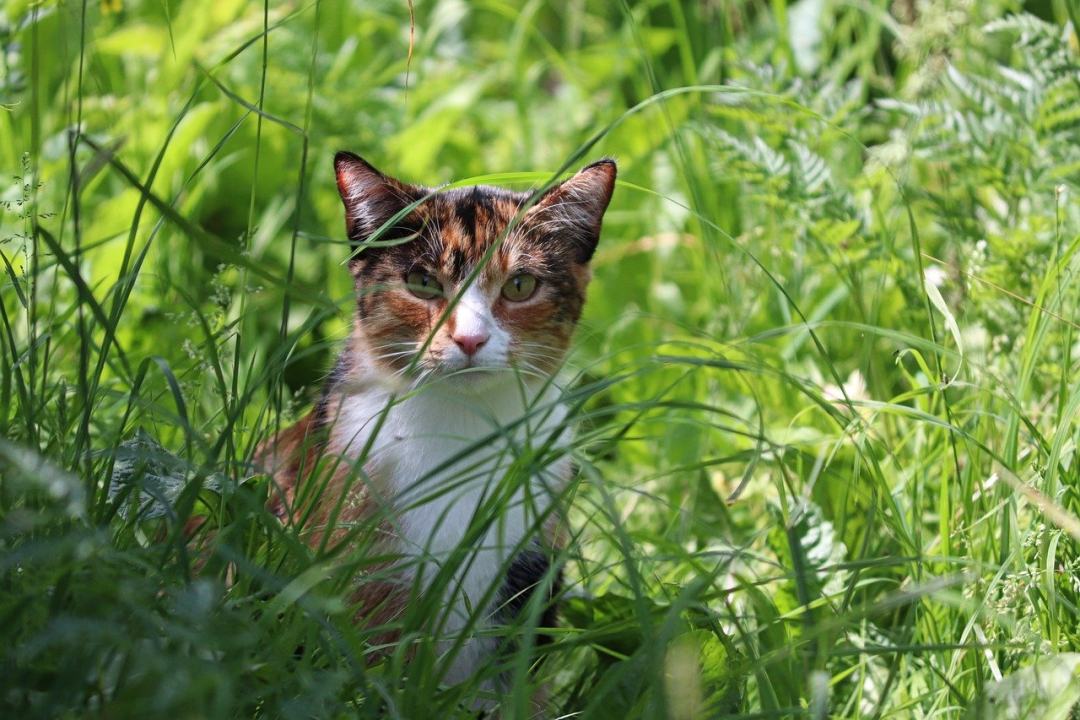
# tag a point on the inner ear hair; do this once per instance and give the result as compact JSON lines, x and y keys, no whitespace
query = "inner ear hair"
{"x":371,"y":198}
{"x":575,"y":207}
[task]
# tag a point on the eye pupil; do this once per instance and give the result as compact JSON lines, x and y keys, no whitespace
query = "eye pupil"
{"x":520,"y":287}
{"x":422,"y":285}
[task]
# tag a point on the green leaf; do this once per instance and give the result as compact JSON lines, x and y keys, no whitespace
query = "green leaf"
{"x":950,"y":321}
{"x":138,"y":39}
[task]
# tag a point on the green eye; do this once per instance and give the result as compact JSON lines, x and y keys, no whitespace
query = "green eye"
{"x":423,"y":285}
{"x":520,"y":287}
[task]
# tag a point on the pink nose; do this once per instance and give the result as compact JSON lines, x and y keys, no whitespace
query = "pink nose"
{"x":471,"y":342}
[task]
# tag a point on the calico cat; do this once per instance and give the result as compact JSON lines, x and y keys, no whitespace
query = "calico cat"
{"x":446,"y":388}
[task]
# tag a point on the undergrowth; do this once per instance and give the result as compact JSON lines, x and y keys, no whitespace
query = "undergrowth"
{"x":826,"y":400}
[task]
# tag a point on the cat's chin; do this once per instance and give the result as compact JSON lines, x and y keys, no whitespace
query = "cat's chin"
{"x":482,"y":378}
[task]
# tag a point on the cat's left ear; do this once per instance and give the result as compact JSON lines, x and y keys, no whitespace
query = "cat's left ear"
{"x":574,"y":209}
{"x":371,"y":198}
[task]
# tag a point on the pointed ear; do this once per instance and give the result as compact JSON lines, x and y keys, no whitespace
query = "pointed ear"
{"x":574,"y":209}
{"x":370,"y":197}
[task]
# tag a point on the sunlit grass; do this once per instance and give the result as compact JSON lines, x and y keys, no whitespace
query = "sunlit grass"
{"x":824,"y":393}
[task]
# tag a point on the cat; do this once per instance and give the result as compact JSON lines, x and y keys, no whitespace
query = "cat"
{"x":447,"y":385}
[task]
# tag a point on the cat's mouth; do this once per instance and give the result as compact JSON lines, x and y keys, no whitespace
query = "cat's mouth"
{"x":472,"y":366}
{"x":470,"y":372}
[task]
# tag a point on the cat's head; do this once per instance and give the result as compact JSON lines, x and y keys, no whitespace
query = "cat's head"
{"x":475,"y":277}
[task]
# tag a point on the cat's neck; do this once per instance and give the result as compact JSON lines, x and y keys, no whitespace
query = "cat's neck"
{"x":469,"y":405}
{"x":436,"y":454}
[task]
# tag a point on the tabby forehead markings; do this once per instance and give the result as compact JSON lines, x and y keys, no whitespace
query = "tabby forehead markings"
{"x":464,"y":224}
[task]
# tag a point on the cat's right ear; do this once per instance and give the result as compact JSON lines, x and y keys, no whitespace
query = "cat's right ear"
{"x":370,"y":197}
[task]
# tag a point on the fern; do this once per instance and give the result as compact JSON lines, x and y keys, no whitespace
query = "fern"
{"x":989,"y":111}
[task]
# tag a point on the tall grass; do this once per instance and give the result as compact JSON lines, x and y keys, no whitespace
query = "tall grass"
{"x":825,"y":391}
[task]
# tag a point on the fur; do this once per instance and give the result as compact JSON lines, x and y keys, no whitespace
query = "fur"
{"x":436,"y":396}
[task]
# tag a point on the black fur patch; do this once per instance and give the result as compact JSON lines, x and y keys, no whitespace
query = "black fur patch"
{"x":526,"y":574}
{"x":336,"y":377}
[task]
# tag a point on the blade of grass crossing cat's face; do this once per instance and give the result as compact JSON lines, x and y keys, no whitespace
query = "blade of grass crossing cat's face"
{"x":420,"y":249}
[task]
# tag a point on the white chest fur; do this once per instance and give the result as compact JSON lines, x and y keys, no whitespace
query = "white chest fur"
{"x":462,"y":465}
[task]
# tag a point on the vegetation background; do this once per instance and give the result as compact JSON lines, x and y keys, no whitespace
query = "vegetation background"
{"x":828,"y":369}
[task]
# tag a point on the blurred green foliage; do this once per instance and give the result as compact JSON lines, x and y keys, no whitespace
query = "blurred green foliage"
{"x":830,"y":423}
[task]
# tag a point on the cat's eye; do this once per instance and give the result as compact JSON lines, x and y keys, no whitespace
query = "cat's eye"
{"x":520,"y":287}
{"x":423,"y":285}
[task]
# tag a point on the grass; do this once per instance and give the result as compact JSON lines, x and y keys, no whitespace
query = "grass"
{"x":826,"y":390}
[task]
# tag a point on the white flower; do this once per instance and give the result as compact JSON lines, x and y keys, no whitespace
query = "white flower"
{"x":854,"y":389}
{"x":934,"y":275}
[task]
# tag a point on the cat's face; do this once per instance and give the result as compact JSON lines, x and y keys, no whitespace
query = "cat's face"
{"x":472,"y":277}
